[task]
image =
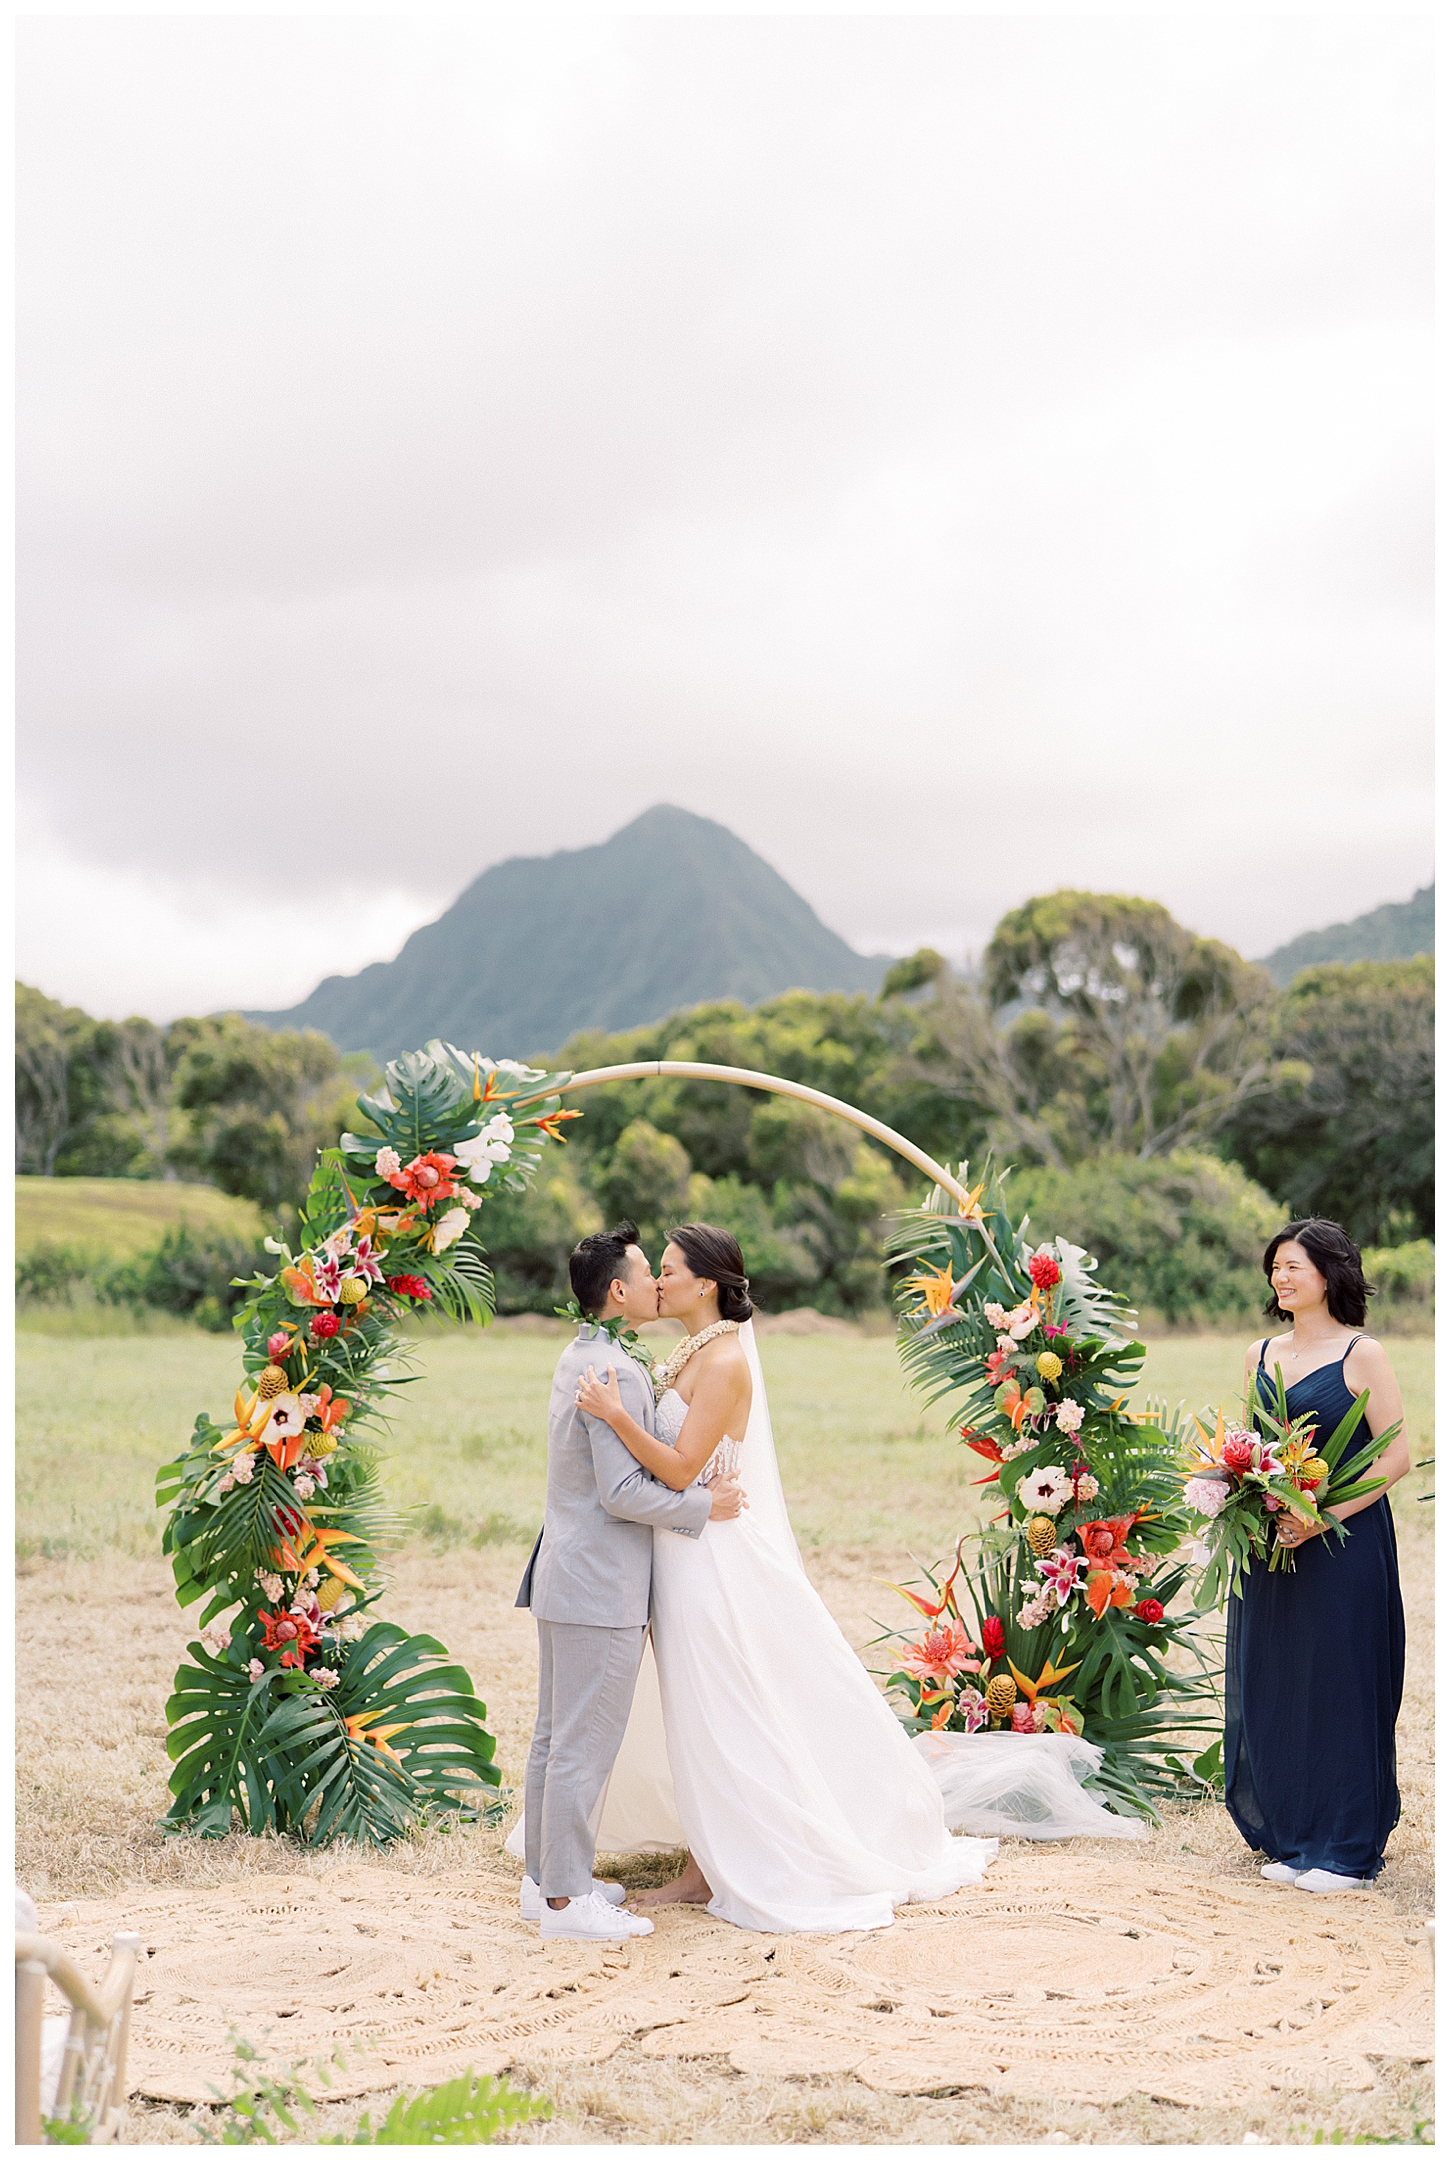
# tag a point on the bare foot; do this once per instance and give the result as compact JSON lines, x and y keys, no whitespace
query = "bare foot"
{"x":690,"y":1888}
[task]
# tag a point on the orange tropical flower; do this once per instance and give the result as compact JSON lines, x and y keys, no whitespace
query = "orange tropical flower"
{"x":936,"y":1286}
{"x":553,"y":1121}
{"x":942,"y":1652}
{"x":317,"y":1554}
{"x":361,"y":1727}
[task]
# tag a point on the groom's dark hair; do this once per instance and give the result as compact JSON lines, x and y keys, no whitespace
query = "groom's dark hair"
{"x":599,"y":1260}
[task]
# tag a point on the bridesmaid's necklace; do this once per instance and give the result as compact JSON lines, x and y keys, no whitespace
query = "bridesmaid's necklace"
{"x":667,"y":1373}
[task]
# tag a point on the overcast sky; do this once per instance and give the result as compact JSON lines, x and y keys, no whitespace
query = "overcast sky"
{"x":965,"y":457}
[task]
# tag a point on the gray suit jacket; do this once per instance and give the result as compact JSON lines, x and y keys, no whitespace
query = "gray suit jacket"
{"x":590,"y":1566}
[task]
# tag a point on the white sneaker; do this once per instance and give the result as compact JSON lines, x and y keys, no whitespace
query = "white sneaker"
{"x":591,"y":1919}
{"x":1320,"y":1880}
{"x":1280,"y":1871}
{"x":531,"y":1900}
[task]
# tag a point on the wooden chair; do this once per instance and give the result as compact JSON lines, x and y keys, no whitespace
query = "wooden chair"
{"x":93,"y":2069}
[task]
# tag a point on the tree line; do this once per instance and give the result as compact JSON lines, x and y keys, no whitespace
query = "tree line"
{"x":1162,"y":1102}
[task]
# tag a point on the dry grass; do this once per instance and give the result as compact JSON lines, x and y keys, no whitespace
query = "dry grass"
{"x":99,"y":1638}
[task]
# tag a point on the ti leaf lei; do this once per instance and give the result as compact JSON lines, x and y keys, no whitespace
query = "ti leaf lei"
{"x":624,"y":1338}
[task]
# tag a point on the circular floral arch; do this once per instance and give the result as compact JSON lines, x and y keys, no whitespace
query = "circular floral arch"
{"x":772,"y":1084}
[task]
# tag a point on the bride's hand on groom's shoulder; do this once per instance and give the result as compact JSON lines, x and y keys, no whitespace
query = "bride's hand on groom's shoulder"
{"x":600,"y":1398}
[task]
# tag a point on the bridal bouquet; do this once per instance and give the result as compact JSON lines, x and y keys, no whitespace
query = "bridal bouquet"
{"x":1061,"y":1621}
{"x":1240,"y":1479}
{"x":297,"y":1697}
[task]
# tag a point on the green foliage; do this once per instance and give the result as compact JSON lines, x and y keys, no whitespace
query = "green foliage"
{"x":303,"y":1712}
{"x":192,"y":1273}
{"x":644,"y":1177}
{"x":530,"y":1235}
{"x":1348,"y":1131}
{"x":1102,"y":1024}
{"x":806,"y":1197}
{"x":470,"y":2110}
{"x":1035,"y":1374}
{"x":265,"y":2099}
{"x":1182,"y":1236}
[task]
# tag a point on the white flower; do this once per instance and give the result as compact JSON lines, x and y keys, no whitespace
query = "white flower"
{"x":470,"y":1200}
{"x":244,"y":1470}
{"x":1036,"y":1610}
{"x":486,"y":1148}
{"x":1005,"y":1344}
{"x":286,"y":1420}
{"x":352,"y":1627}
{"x":449,"y":1229}
{"x":226,"y":1483}
{"x":1023,"y":1445}
{"x":1020,"y":1321}
{"x":1205,"y":1495}
{"x":996,"y":1317}
{"x":387,"y":1162}
{"x":1068,"y":1416}
{"x":304,"y":1487}
{"x":312,"y":1578}
{"x":256,"y":1668}
{"x":270,"y":1586}
{"x":1088,"y":1488}
{"x":216,"y":1637}
{"x":1045,"y":1490}
{"x":323,"y":1678}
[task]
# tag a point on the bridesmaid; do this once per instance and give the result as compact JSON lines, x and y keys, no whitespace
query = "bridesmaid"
{"x":1315,"y":1658}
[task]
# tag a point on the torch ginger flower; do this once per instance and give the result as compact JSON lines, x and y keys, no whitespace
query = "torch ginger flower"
{"x":427,"y":1178}
{"x":288,"y":1632}
{"x":1044,"y":1270}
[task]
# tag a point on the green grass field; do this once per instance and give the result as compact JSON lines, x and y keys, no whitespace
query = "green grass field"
{"x":120,"y":1217}
{"x":861,"y":1464}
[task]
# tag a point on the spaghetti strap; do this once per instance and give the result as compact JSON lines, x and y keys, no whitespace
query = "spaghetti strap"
{"x":1353,"y":1341}
{"x":1263,"y":1346}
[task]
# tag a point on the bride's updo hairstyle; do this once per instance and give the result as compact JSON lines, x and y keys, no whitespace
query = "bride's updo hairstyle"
{"x":715,"y":1255}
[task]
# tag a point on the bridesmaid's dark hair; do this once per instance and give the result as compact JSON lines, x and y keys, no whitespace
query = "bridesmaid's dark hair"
{"x":716,"y":1255}
{"x":1336,"y":1256}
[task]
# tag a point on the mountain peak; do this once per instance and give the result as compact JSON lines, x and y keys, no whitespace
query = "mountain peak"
{"x":671,"y":911}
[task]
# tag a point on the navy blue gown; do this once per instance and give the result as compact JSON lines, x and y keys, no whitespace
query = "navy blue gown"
{"x":1314,"y":1667}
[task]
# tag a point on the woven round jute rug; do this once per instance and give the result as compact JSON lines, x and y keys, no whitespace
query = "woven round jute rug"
{"x":1063,"y":1974}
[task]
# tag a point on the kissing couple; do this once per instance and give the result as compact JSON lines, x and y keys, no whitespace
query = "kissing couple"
{"x":804,"y":1805}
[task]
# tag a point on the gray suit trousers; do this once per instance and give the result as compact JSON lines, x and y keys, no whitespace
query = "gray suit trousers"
{"x":586,"y":1687}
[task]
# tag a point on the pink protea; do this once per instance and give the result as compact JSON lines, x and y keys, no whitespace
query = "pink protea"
{"x":941,"y":1654}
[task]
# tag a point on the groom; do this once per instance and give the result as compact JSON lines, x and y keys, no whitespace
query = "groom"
{"x":587,"y":1584}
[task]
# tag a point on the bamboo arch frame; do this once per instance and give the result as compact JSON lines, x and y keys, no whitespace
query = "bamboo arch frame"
{"x":738,"y":1076}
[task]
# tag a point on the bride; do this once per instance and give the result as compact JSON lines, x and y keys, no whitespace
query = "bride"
{"x":805,"y":1807}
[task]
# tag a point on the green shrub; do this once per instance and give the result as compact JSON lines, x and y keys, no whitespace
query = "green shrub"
{"x":189,"y":1273}
{"x":50,"y":1271}
{"x":1403,"y":1276}
{"x":1182,"y":1236}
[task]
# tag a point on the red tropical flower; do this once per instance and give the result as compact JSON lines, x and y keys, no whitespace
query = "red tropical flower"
{"x":1149,"y":1609}
{"x":994,"y":1636}
{"x":409,"y":1286}
{"x":1238,"y":1455}
{"x":325,"y":1324}
{"x":1044,"y":1270}
{"x":291,"y":1633}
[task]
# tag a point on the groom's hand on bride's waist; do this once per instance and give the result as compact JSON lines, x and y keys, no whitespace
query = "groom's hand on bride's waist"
{"x":727,"y":1498}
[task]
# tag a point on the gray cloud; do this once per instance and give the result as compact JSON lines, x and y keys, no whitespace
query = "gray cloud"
{"x":962,"y":456}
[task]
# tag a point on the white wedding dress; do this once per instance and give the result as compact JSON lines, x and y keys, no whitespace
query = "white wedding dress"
{"x":776,"y":1759}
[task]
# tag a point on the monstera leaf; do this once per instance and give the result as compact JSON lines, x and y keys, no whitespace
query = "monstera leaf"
{"x":403,"y":1731}
{"x":217,"y":1714}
